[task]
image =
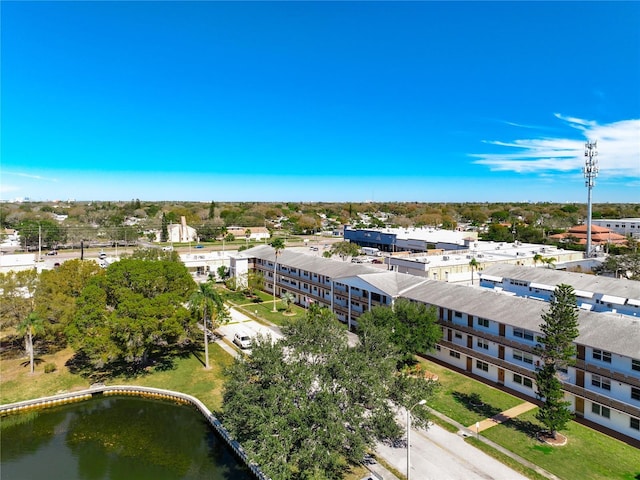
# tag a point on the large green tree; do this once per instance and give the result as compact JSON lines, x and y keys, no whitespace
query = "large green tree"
{"x":56,"y":296}
{"x":345,"y":249}
{"x":309,"y":405}
{"x":557,"y":352}
{"x":18,"y":289}
{"x":413,"y":327}
{"x":132,"y":314}
{"x":626,"y":265}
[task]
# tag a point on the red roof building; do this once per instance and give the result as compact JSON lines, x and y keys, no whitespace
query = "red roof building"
{"x":599,"y":236}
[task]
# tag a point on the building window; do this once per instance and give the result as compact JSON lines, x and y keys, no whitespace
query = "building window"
{"x":635,"y":365}
{"x":600,"y":410}
{"x":634,"y":423}
{"x":483,"y":322}
{"x":600,"y":382}
{"x":602,"y":355}
{"x":482,"y":343}
{"x":522,"y":333}
{"x":635,"y":393}
{"x":482,"y":366}
{"x":454,"y":354}
{"x":458,"y":335}
{"x":527,"y":382}
{"x":523,"y":357}
{"x":457,"y":314}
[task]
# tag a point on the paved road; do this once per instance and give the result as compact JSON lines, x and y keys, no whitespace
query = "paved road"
{"x":437,"y":454}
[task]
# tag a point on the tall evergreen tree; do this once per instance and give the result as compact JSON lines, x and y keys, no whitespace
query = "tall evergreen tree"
{"x":164,"y":233}
{"x":557,"y":352}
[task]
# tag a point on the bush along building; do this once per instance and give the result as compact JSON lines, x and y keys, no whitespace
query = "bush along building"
{"x":485,"y":333}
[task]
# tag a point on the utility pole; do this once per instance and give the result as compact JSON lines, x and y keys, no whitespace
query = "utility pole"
{"x":39,"y":242}
{"x":590,"y":171}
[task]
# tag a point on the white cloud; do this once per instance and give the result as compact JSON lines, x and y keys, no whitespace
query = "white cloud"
{"x":618,"y":150}
{"x":26,"y":175}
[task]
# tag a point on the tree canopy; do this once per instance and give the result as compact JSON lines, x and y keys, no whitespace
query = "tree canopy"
{"x":310,"y":405}
{"x":132,"y":313}
{"x":345,"y":249}
{"x":413,"y":327}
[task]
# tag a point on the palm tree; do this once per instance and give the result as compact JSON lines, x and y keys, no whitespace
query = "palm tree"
{"x":207,"y":299}
{"x":29,"y":327}
{"x":537,"y":258}
{"x":287,"y":300}
{"x":474,"y":265}
{"x":278,"y":245}
{"x":550,"y":261}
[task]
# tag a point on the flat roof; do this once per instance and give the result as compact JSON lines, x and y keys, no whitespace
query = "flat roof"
{"x":581,"y":282}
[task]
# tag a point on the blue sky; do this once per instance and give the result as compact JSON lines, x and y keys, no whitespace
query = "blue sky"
{"x":326,"y":101}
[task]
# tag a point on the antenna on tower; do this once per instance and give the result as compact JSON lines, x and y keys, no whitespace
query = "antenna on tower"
{"x":590,"y":171}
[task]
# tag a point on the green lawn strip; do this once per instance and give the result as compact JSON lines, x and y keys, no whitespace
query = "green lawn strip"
{"x":587,"y":454}
{"x":455,"y":397}
{"x":505,"y":459}
{"x":44,"y":385}
{"x":441,"y":423}
{"x":190,"y":377}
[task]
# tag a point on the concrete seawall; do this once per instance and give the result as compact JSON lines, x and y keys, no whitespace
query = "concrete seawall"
{"x":148,"y":392}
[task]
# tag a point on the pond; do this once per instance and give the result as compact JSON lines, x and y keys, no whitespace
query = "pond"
{"x":115,"y":438}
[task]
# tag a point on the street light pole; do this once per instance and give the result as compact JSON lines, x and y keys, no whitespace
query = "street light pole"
{"x":421,"y":402}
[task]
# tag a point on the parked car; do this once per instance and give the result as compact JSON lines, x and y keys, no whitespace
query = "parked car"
{"x":242,"y":340}
{"x":52,"y":252}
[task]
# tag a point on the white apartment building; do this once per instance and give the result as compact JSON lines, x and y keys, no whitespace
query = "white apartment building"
{"x":485,"y":333}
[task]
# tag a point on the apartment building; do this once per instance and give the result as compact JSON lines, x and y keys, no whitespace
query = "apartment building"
{"x":485,"y":332}
{"x":595,"y":293}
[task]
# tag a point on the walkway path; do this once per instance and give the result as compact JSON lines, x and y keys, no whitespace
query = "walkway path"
{"x":502,"y":417}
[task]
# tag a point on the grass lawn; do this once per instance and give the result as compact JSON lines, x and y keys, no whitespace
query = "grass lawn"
{"x":587,"y":454}
{"x":455,"y":398}
{"x":187,"y":376}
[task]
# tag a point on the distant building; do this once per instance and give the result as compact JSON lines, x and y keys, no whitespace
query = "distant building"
{"x":454,"y":266}
{"x":622,"y":226}
{"x":410,"y":239}
{"x":181,"y":232}
{"x":600,"y":236}
{"x":256,"y":234}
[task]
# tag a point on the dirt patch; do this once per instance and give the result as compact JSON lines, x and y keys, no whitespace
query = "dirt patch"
{"x":559,"y":441}
{"x":420,"y":371}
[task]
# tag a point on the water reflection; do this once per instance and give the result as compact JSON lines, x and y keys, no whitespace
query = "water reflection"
{"x":115,"y":438}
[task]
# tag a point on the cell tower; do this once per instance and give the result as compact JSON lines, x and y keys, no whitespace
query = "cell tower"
{"x":590,"y":171}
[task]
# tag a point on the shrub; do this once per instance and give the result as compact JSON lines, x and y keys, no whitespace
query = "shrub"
{"x":50,"y":367}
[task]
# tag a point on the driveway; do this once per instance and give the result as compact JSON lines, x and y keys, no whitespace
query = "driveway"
{"x":240,"y":322}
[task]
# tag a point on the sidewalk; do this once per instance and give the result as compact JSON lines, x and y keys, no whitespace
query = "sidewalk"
{"x":502,"y":417}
